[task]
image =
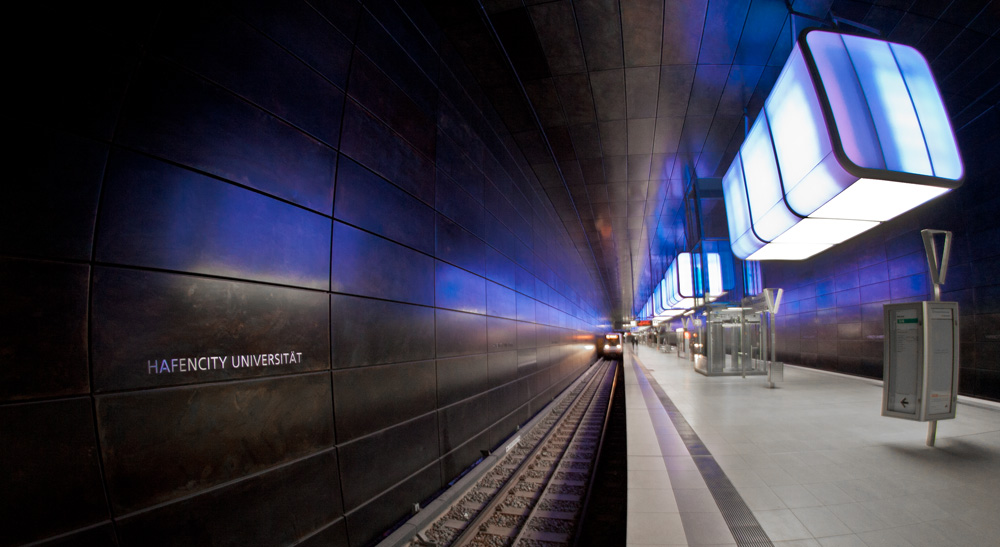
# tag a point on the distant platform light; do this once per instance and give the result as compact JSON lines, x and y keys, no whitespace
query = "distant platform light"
{"x":676,"y":292}
{"x":677,"y":286}
{"x":854,"y":133}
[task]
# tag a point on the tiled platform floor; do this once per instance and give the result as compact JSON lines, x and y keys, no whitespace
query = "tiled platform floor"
{"x":812,"y":459}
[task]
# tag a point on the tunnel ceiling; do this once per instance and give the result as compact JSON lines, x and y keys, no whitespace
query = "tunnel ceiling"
{"x":613,"y":102}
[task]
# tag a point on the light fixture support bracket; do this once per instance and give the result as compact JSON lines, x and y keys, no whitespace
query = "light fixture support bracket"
{"x":830,"y":20}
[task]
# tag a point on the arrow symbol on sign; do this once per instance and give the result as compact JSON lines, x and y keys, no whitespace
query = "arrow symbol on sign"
{"x":904,"y":402}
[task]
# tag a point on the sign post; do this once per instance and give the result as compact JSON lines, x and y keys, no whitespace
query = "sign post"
{"x":921,"y":351}
{"x":763,"y":307}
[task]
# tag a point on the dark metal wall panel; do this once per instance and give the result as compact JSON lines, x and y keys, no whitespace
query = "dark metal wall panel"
{"x":371,"y":464}
{"x":52,"y":209}
{"x":524,"y":282}
{"x":455,"y":123}
{"x":724,"y":25}
{"x":500,"y":207}
{"x":546,"y":100}
{"x":452,"y":159}
{"x":372,"y":519}
{"x":372,"y":144}
{"x":368,"y":399}
{"x":106,"y":42}
{"x":254,"y":425}
{"x":682,"y":31}
{"x":460,"y":247}
{"x":499,"y":236}
{"x":527,"y":362}
{"x":259,"y":70}
{"x":99,"y":536}
{"x":602,"y":43}
{"x":507,"y":399}
{"x":43,"y":342}
{"x":258,"y":509}
{"x":158,"y":215}
{"x":392,"y":54}
{"x":506,"y":426}
{"x":525,"y":307}
{"x":608,"y":88}
{"x":179,"y":117}
{"x":143,"y":323}
{"x":367,"y":201}
{"x":454,"y":463}
{"x":367,"y":265}
{"x":526,"y":338}
{"x":405,"y":333}
{"x":555,"y":25}
{"x":334,"y":535}
{"x":458,"y":289}
{"x":377,"y":94}
{"x":459,"y":378}
{"x":502,"y":334}
{"x":461,"y":421}
{"x":763,"y":23}
{"x":52,"y":484}
{"x":460,"y":333}
{"x":642,"y":27}
{"x":454,"y":202}
{"x":502,"y":367}
{"x":296,"y":27}
{"x":500,"y":301}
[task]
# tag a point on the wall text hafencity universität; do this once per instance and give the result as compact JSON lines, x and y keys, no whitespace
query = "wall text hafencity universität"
{"x":218,"y":362}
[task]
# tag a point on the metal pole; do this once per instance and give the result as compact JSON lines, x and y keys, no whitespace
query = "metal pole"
{"x":743,"y":344}
{"x":762,"y":342}
{"x":939,"y":271}
{"x":770,"y":363}
{"x":764,"y":351}
{"x":774,"y":344}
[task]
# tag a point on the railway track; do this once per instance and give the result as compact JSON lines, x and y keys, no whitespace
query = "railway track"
{"x":535,"y":496}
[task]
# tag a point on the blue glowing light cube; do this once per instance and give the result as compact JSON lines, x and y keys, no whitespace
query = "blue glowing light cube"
{"x":854,"y":133}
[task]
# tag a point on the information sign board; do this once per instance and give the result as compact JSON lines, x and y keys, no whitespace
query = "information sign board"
{"x":921,"y":361}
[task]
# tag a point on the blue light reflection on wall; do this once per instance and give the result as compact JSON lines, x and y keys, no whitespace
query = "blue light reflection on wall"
{"x":853,"y":133}
{"x":713,"y":269}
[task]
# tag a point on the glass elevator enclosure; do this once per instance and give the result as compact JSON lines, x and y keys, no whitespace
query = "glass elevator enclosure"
{"x":740,"y":340}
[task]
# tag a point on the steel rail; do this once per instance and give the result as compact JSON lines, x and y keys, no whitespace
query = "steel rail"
{"x":597,"y":455}
{"x":560,"y":458}
{"x":478,"y":523}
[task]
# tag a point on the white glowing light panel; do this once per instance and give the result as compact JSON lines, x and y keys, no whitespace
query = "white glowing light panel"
{"x":677,"y":286}
{"x":853,"y":133}
{"x":676,"y":292}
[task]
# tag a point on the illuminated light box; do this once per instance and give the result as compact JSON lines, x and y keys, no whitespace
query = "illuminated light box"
{"x":658,"y":300}
{"x":669,"y":314}
{"x":676,"y":292}
{"x":647,"y":310}
{"x":854,"y":133}
{"x":677,"y":286}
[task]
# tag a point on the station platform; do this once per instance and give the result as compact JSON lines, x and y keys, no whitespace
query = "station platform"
{"x":728,"y":461}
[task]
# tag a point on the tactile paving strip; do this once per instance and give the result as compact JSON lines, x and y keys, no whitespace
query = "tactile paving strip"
{"x":738,"y":516}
